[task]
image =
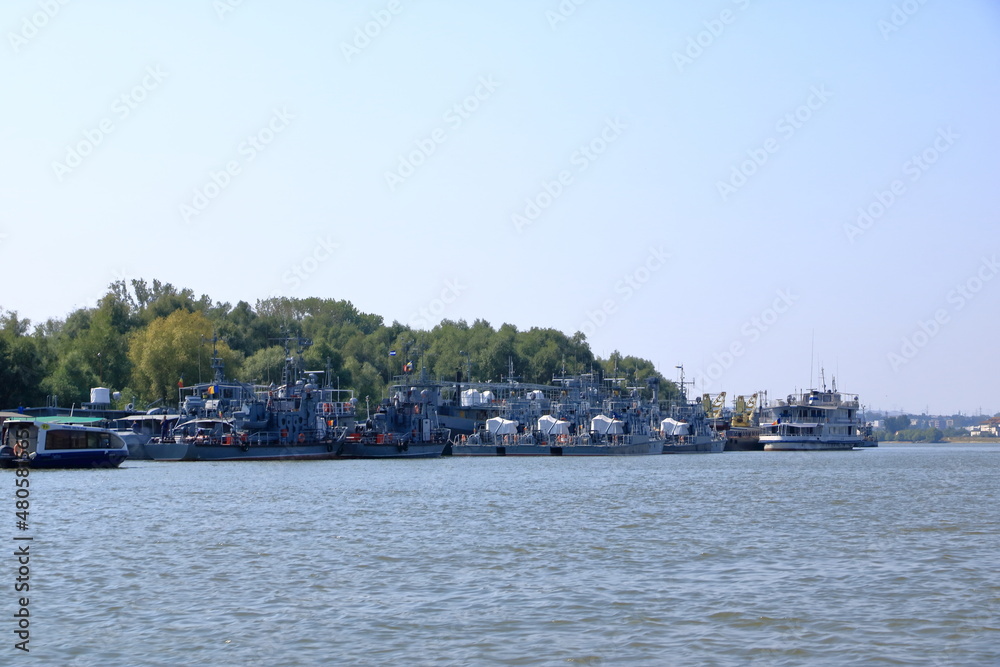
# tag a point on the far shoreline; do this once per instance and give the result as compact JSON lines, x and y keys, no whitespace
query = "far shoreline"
{"x":946,"y":441}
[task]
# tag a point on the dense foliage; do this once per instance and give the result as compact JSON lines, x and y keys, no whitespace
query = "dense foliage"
{"x":923,"y":428}
{"x":143,"y":339}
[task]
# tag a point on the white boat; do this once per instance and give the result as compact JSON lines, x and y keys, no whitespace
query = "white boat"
{"x":59,"y":442}
{"x":818,"y":419}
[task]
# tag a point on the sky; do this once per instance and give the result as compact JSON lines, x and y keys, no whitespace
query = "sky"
{"x":751,"y":190}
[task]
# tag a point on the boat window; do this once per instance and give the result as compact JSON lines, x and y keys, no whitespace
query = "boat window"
{"x":77,"y":440}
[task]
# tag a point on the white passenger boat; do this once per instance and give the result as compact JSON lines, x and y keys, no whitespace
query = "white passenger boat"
{"x":819,"y":419}
{"x":51,"y":442}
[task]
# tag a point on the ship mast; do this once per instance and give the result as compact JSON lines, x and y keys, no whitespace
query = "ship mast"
{"x":217,"y":364}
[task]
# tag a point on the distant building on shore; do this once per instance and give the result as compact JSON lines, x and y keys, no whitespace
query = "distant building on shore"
{"x":989,"y":428}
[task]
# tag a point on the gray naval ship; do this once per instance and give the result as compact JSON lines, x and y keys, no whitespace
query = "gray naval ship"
{"x":690,"y":426}
{"x":577,"y":416}
{"x":297,"y":419}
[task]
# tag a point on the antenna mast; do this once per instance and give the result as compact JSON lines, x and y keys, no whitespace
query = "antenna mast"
{"x":812,"y":349}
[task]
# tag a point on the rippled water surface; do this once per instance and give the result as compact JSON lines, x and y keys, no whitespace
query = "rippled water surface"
{"x":887,"y":556}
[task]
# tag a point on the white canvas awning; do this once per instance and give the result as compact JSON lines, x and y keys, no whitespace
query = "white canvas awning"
{"x":501,"y":426}
{"x":470,"y":398}
{"x":606,"y":425}
{"x":552,"y":426}
{"x":673,"y":427}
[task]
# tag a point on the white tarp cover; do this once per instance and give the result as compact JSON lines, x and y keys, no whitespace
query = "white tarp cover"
{"x":551,"y":425}
{"x":536,"y":395}
{"x":673,"y":427}
{"x":606,"y":425}
{"x":501,"y":426}
{"x":488,"y":396}
{"x":471,"y":397}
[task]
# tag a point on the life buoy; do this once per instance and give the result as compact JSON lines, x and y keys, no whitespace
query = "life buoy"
{"x":563,"y":439}
{"x":284,"y":433}
{"x":327,"y":408}
{"x":18,"y":449}
{"x":302,"y":438}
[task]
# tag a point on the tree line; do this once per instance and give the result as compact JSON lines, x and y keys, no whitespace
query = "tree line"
{"x":914,"y":428}
{"x":144,"y":339}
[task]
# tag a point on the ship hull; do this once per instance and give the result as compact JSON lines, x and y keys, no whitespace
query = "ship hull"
{"x":136,"y":446}
{"x":317,"y":451}
{"x":743,"y":439}
{"x":409,"y":450}
{"x":695,"y":446}
{"x":800,"y":445}
{"x":66,"y":460}
{"x":235,"y":452}
{"x":647,"y":448}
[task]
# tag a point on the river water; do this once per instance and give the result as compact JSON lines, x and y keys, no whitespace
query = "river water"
{"x":887,"y":556}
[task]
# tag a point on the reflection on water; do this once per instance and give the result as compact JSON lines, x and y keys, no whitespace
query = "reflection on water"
{"x":761,"y":557}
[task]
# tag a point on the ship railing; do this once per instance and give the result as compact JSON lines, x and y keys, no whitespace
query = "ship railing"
{"x":283,"y":437}
{"x":484,"y":437}
{"x":336,"y":409}
{"x":621,"y":439}
{"x":806,"y":399}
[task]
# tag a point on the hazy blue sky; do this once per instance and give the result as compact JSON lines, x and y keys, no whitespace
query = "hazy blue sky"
{"x":681,"y":181}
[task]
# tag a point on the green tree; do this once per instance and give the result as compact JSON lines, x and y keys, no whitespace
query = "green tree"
{"x":167,"y":352}
{"x":894,"y":424}
{"x":71,"y":379}
{"x":22,"y":364}
{"x":264,"y":366}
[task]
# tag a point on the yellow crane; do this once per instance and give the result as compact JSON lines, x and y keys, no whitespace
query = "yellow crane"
{"x":713,"y":407}
{"x":745,"y":410}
